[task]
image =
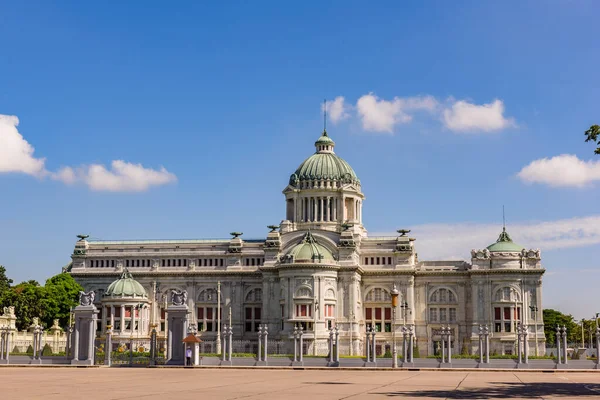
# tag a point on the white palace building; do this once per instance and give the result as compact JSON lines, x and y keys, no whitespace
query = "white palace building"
{"x":317,"y":269}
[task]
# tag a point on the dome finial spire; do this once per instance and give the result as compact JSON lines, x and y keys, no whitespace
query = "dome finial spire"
{"x":324,"y":117}
{"x":503,"y":219}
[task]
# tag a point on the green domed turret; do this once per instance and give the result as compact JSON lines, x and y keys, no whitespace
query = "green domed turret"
{"x":505,"y":244}
{"x":126,"y":287}
{"x":309,"y":251}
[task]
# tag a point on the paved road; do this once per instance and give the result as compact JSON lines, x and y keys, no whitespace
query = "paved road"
{"x":182,"y":384}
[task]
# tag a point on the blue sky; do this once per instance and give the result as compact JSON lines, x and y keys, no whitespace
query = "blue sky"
{"x":444,"y":110}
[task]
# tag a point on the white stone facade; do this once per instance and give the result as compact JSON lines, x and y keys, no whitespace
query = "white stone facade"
{"x":261,"y":282}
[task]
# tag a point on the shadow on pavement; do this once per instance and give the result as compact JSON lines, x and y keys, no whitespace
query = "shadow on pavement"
{"x":501,"y":390}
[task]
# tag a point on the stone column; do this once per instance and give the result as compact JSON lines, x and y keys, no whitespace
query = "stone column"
{"x":85,"y":331}
{"x":296,"y":344}
{"x":558,"y":350}
{"x":321,"y":209}
{"x":122,"y":320}
{"x":597,"y":347}
{"x":76,"y":339}
{"x":178,"y":315}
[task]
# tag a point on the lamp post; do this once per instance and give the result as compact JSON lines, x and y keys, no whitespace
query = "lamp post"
{"x":219,"y":317}
{"x":395,"y":294}
{"x":534,"y":311}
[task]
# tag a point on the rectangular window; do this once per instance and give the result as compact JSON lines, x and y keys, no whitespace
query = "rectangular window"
{"x":378,"y":261}
{"x":378,"y":313}
{"x":366,"y":260}
{"x":127,"y":263}
{"x":200,"y":312}
{"x":282,"y":306}
{"x":442,"y":315}
{"x":368,"y":313}
{"x":389,"y":260}
{"x":372,"y":260}
{"x":388,"y":313}
{"x":518,"y":313}
{"x":209,"y":313}
{"x":257,"y":313}
{"x":330,"y":310}
{"x":433,"y":314}
{"x":497,"y":313}
{"x":388,"y":326}
{"x":221,"y":262}
{"x":163,"y":263}
{"x":248,"y":313}
{"x":453,"y":315}
{"x":497,"y":327}
{"x":507,"y":326}
{"x":507,"y":313}
{"x":185,"y":262}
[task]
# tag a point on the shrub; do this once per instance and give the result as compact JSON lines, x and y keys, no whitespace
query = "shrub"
{"x":416,"y":353}
{"x":29,"y":350}
{"x":47,"y":350}
{"x":16,"y":350}
{"x":465,"y":350}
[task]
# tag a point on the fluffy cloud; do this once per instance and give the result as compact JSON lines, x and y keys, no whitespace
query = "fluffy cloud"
{"x":378,"y":115}
{"x":463,"y":116}
{"x":443,"y":241}
{"x":16,"y":154}
{"x":563,"y":170}
{"x":337,"y":110}
{"x":122,"y":177}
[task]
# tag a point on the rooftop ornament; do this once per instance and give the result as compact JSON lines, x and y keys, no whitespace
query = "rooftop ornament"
{"x":273,"y":228}
{"x":83,"y":237}
{"x":236,"y":234}
{"x":403,"y":232}
{"x":346,"y":226}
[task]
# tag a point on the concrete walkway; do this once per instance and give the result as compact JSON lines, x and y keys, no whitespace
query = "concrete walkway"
{"x":207,"y":383}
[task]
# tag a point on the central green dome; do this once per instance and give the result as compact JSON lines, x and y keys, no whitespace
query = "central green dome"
{"x":324,"y":165}
{"x":309,"y":251}
{"x":126,"y":287}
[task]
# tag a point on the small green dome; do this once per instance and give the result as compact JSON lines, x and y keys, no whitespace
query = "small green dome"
{"x":324,"y":140}
{"x":505,"y":244}
{"x":309,"y":251}
{"x":125,"y":287}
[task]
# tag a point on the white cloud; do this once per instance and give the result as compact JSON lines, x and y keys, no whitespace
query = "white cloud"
{"x":122,"y":177}
{"x":444,"y":241}
{"x":337,"y":110}
{"x":16,"y":154}
{"x":378,"y":115}
{"x":463,"y":116}
{"x":561,"y":171}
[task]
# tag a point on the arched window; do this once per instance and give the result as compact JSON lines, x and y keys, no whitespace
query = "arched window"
{"x":507,"y":309}
{"x":329,"y":307}
{"x":440,"y":309}
{"x":304,"y":292}
{"x":378,"y":295}
{"x":378,"y":310}
{"x":207,"y":310}
{"x":443,"y":296}
{"x":254,"y":296}
{"x":253,"y":310}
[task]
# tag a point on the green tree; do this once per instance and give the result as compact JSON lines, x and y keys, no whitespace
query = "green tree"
{"x":552,"y":319}
{"x":593,"y":135}
{"x":61,"y":295}
{"x":28,"y":300}
{"x":4,"y":281}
